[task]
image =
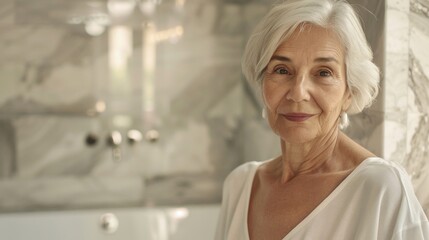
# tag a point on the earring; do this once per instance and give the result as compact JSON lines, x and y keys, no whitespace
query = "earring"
{"x":344,"y":120}
{"x":264,"y":113}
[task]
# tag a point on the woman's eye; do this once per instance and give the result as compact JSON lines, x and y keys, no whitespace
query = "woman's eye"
{"x":281,"y":71}
{"x":325,"y":73}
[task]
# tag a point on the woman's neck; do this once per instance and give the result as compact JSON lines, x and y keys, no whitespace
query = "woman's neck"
{"x":316,"y":156}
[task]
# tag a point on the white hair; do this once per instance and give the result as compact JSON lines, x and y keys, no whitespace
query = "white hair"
{"x":362,"y":74}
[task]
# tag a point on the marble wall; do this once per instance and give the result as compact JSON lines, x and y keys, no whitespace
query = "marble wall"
{"x":417,"y":137}
{"x":180,"y":86}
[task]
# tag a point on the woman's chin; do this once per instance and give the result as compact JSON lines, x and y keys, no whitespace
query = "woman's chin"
{"x":298,"y":135}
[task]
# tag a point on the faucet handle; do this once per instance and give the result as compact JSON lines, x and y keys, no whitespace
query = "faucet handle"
{"x":152,"y":136}
{"x":114,"y":140}
{"x":134,"y":136}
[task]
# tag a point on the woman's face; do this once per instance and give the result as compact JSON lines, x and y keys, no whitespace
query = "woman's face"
{"x":304,"y":87}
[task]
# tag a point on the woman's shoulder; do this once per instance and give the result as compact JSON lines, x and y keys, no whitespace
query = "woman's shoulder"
{"x":241,"y":173}
{"x":386,"y":179}
{"x":390,"y":183}
{"x":379,"y":167}
{"x":382,"y":171}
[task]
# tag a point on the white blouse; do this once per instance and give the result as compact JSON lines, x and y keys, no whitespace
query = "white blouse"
{"x":375,"y":202}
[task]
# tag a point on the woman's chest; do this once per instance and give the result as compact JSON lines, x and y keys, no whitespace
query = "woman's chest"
{"x":275,"y":210}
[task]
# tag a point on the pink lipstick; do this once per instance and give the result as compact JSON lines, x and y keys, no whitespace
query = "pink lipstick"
{"x":297,"y":117}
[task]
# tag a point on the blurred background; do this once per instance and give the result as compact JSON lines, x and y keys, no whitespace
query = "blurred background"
{"x":120,"y":119}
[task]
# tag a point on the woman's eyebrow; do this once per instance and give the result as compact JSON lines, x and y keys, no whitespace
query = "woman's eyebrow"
{"x":280,"y":58}
{"x":319,"y":59}
{"x":326,"y":59}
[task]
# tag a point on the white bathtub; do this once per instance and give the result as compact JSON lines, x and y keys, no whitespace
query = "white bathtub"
{"x":182,"y":223}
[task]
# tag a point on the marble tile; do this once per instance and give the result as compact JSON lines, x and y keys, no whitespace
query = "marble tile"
{"x":419,"y":64}
{"x":395,"y":133}
{"x":418,"y":31}
{"x":417,"y":163}
{"x":61,"y":193}
{"x":417,"y":158}
{"x":395,"y":85}
{"x":44,"y":74}
{"x":202,"y":152}
{"x":187,"y":147}
{"x":420,"y":7}
{"x":397,"y":41}
{"x":55,"y":146}
{"x":417,"y":150}
{"x":397,"y":27}
{"x":398,"y":5}
{"x":206,"y":78}
{"x":418,"y":87}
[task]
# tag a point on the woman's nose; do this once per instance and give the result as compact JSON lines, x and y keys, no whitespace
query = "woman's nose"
{"x":299,"y":90}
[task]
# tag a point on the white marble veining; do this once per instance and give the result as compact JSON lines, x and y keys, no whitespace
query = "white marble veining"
{"x":417,"y":150}
{"x":395,"y":82}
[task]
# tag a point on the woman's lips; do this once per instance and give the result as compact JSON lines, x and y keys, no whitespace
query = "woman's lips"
{"x":297,"y":117}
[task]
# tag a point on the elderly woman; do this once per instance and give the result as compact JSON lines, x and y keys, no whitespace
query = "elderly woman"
{"x":314,"y":66}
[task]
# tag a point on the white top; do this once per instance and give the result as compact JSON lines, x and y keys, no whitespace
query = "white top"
{"x":375,"y":202}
